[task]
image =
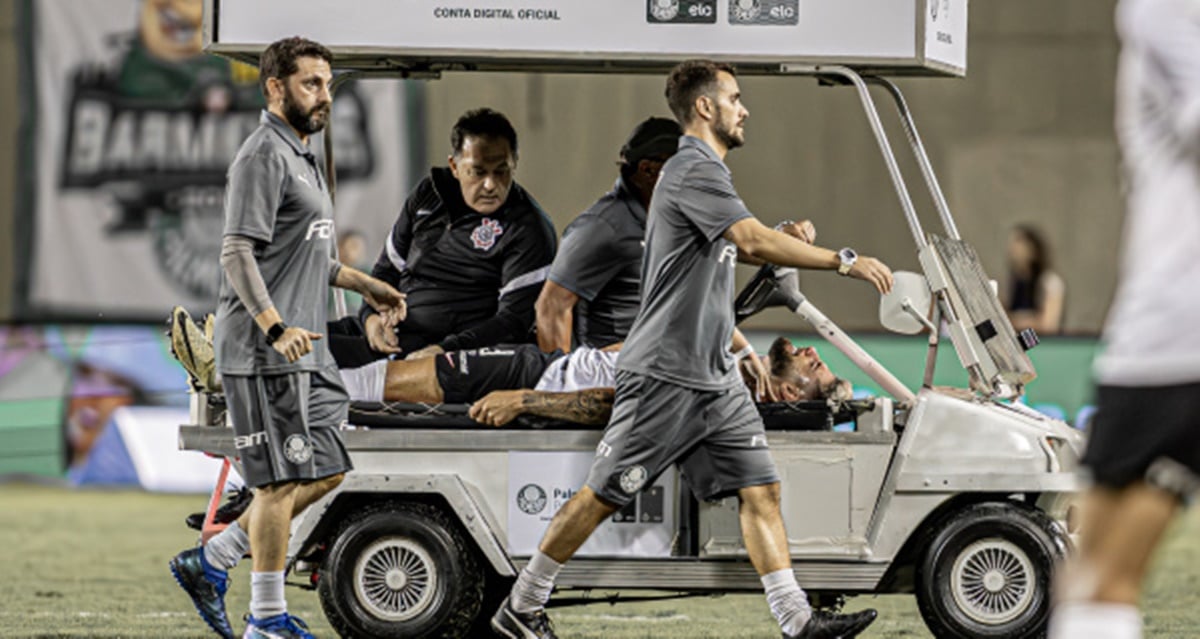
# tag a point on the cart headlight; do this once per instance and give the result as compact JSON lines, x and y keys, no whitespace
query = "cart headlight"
{"x":1065,"y":456}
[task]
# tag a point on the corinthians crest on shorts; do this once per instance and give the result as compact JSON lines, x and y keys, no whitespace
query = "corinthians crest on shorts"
{"x":484,"y":236}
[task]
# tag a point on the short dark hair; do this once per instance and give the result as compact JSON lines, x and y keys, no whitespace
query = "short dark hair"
{"x":689,"y":80}
{"x":483,"y":123}
{"x":279,"y":59}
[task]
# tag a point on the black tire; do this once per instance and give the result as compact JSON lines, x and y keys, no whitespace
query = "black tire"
{"x":400,"y":570}
{"x":987,"y":572}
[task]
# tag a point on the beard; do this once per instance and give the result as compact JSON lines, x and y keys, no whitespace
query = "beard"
{"x":306,"y":122}
{"x":729,"y":136}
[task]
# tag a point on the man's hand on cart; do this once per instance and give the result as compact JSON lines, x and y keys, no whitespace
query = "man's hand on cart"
{"x":498,"y":408}
{"x":874,"y":272}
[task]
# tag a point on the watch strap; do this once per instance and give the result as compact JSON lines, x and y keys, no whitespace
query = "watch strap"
{"x":275,"y":332}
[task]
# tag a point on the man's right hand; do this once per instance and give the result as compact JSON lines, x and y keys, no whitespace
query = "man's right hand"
{"x":295,"y":343}
{"x":874,"y":272}
{"x":381,"y":333}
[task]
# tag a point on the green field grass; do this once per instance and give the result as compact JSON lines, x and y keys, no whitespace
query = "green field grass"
{"x":87,"y":563}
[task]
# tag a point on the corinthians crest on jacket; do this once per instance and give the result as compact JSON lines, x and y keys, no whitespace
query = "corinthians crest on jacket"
{"x":484,"y":236}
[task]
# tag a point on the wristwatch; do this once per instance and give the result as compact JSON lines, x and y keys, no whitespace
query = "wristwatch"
{"x":275,"y":332}
{"x":848,"y":257}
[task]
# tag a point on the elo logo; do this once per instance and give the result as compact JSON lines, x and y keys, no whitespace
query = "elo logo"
{"x":782,"y":12}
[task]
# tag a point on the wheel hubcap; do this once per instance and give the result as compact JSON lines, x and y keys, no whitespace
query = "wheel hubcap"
{"x":395,"y":579}
{"x":992,"y":581}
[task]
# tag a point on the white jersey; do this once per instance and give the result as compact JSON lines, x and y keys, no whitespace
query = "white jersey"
{"x":583,"y":368}
{"x":1152,"y":336}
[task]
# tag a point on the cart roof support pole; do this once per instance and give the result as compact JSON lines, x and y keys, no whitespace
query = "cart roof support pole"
{"x":918,"y":149}
{"x":843,"y":74}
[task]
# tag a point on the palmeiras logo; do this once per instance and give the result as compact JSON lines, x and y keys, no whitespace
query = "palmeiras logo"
{"x":664,"y":9}
{"x":633,"y":479}
{"x":297,"y":449}
{"x":153,"y":140}
{"x":531,"y":499}
{"x":484,"y":236}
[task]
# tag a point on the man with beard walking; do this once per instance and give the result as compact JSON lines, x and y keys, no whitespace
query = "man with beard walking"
{"x":679,"y":397}
{"x":285,"y":397}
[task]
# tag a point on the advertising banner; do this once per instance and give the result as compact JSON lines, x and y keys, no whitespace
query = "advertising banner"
{"x":134,"y":129}
{"x":539,"y":483}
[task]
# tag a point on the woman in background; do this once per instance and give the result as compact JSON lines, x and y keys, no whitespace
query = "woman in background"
{"x":1035,"y":294}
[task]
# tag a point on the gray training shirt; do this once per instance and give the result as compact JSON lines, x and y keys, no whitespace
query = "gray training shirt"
{"x":683,"y":330}
{"x":600,"y":260}
{"x":277,"y":196}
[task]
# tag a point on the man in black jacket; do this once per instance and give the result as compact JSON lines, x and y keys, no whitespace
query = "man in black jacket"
{"x":471,"y":249}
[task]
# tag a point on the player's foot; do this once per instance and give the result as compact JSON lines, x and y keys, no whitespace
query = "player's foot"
{"x":227,"y":513}
{"x":193,"y":347}
{"x":827,"y":625}
{"x":206,"y":586}
{"x":282,"y":626}
{"x":522,"y":625}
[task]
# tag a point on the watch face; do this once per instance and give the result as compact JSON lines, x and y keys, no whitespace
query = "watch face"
{"x":848,"y":255}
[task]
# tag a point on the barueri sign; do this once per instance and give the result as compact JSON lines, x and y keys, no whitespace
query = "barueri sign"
{"x":904,"y":36}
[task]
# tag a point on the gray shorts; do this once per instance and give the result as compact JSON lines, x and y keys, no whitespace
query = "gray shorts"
{"x":286,"y":426}
{"x":716,"y":437}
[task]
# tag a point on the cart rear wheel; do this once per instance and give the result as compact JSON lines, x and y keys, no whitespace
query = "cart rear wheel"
{"x":987,"y":572}
{"x":400,"y":570}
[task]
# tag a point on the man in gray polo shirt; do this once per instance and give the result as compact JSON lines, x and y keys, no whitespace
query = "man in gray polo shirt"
{"x":679,"y":398}
{"x":594,"y":285}
{"x":285,"y":398}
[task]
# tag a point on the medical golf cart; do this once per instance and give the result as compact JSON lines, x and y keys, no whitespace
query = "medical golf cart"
{"x":961,"y":496}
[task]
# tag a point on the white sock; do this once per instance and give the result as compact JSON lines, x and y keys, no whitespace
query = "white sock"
{"x":225,"y":549}
{"x":788,"y":602}
{"x":1092,"y":620}
{"x":534,"y":584}
{"x":266,"y":594}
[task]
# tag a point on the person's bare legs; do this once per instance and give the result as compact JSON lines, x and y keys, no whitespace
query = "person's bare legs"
{"x":305,"y":494}
{"x":1099,"y":590}
{"x":413,"y":381}
{"x":522,"y":614}
{"x":574,"y":523}
{"x":269,"y":526}
{"x":762,"y":528}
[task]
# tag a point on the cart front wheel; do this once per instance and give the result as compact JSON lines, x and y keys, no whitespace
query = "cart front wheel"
{"x":400,"y":570}
{"x":987,"y":572}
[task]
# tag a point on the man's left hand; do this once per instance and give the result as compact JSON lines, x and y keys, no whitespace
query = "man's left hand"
{"x":385,"y":299}
{"x":753,"y":368}
{"x":498,"y":408}
{"x":802,"y":230}
{"x":428,"y":351}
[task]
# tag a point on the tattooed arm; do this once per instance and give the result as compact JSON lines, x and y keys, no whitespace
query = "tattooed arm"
{"x":592,"y":406}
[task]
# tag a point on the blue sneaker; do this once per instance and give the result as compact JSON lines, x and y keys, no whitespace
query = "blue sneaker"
{"x":206,"y":586}
{"x":283,"y":626}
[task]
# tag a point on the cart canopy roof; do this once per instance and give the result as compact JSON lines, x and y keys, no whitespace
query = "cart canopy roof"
{"x":883,"y":37}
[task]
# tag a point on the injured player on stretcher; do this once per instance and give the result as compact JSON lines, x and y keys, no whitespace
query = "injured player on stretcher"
{"x":505,"y":382}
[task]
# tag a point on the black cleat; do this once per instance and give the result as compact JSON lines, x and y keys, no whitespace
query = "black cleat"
{"x":827,"y":625}
{"x":208,"y":595}
{"x":227,"y":513}
{"x":522,"y":625}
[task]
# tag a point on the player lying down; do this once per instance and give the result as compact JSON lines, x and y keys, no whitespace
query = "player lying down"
{"x":504,"y":382}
